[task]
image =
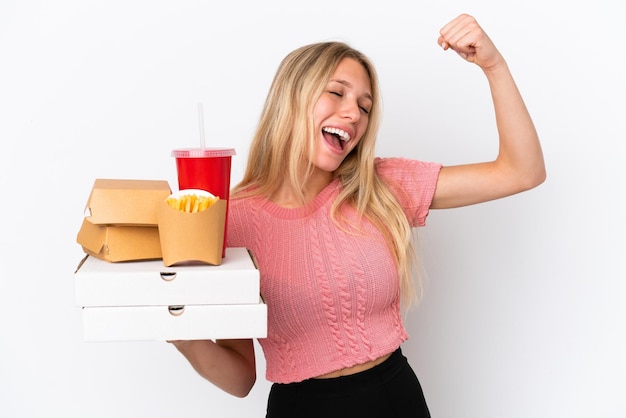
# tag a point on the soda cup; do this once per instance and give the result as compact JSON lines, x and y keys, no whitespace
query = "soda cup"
{"x":206,"y":169}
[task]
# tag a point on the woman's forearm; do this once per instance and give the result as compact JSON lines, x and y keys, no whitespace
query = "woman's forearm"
{"x":519,"y":147}
{"x":228,"y":364}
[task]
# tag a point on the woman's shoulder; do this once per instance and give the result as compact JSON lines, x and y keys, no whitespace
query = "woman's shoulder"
{"x":413,"y":182}
{"x":400,"y":167}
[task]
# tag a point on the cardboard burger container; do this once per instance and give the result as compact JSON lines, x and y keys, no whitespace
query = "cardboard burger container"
{"x":116,"y":243}
{"x":192,"y":237}
{"x":120,"y":221}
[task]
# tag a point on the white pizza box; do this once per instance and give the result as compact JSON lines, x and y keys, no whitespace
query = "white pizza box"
{"x":149,"y":283}
{"x":167,"y":323}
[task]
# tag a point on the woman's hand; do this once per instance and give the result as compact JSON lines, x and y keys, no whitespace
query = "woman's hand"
{"x":465,"y":36}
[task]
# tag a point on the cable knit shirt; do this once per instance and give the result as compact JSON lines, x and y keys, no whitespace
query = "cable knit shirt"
{"x":332,"y":296}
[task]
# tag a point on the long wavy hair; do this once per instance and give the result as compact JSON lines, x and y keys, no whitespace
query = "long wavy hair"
{"x":286,"y":133}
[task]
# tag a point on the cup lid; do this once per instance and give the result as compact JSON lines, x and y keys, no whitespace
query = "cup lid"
{"x":209,"y":152}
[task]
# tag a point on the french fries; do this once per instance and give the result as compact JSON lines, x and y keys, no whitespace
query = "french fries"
{"x":191,"y":203}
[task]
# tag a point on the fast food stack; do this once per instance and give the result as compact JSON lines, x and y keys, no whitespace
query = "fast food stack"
{"x":154,"y":269}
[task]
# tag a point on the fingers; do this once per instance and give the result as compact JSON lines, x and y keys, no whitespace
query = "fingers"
{"x":462,"y":34}
{"x":465,"y":36}
{"x":458,"y":27}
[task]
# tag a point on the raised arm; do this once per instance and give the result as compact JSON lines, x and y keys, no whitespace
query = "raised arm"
{"x":228,"y":364}
{"x":519,"y":165}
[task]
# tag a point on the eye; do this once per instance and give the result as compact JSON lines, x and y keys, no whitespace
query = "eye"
{"x":336,"y":93}
{"x":365,"y":108}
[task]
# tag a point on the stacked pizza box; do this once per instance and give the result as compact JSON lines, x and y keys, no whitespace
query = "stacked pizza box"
{"x":147,"y":301}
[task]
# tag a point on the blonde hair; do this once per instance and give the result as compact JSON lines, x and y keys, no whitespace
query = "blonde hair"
{"x":285,"y":134}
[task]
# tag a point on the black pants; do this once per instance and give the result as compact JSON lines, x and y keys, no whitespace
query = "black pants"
{"x":388,"y":390}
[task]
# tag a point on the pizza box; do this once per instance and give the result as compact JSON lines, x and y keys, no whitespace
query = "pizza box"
{"x":174,"y":322}
{"x":149,"y":283}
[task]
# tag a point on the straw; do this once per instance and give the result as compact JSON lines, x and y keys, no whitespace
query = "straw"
{"x":201,"y":120}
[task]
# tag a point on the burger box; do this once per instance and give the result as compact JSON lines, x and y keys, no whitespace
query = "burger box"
{"x":126,"y":202}
{"x":147,"y":301}
{"x":115,"y":243}
{"x":121,"y":222}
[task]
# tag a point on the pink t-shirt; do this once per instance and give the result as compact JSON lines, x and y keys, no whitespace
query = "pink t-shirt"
{"x":332,"y":296}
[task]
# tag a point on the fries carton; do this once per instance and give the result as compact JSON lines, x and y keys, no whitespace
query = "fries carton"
{"x":120,"y":221}
{"x":188,"y":233}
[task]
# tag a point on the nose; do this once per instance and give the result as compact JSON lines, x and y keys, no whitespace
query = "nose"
{"x":350,"y":109}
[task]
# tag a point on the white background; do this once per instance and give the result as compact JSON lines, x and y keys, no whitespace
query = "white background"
{"x":523,"y":312}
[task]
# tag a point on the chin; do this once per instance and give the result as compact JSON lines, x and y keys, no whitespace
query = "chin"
{"x":327,"y":166}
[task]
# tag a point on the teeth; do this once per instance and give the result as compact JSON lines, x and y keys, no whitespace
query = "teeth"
{"x":343,"y":135}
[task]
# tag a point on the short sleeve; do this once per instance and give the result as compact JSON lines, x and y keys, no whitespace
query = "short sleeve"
{"x":413,"y":182}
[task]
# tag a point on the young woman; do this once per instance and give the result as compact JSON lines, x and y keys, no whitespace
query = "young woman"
{"x":330,"y":227}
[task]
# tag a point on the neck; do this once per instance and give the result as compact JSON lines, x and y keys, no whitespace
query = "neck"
{"x":287,"y":197}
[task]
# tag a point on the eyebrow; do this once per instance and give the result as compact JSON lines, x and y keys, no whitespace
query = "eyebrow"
{"x":348,"y":84}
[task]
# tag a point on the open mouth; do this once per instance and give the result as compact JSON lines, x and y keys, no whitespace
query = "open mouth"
{"x":336,"y":137}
